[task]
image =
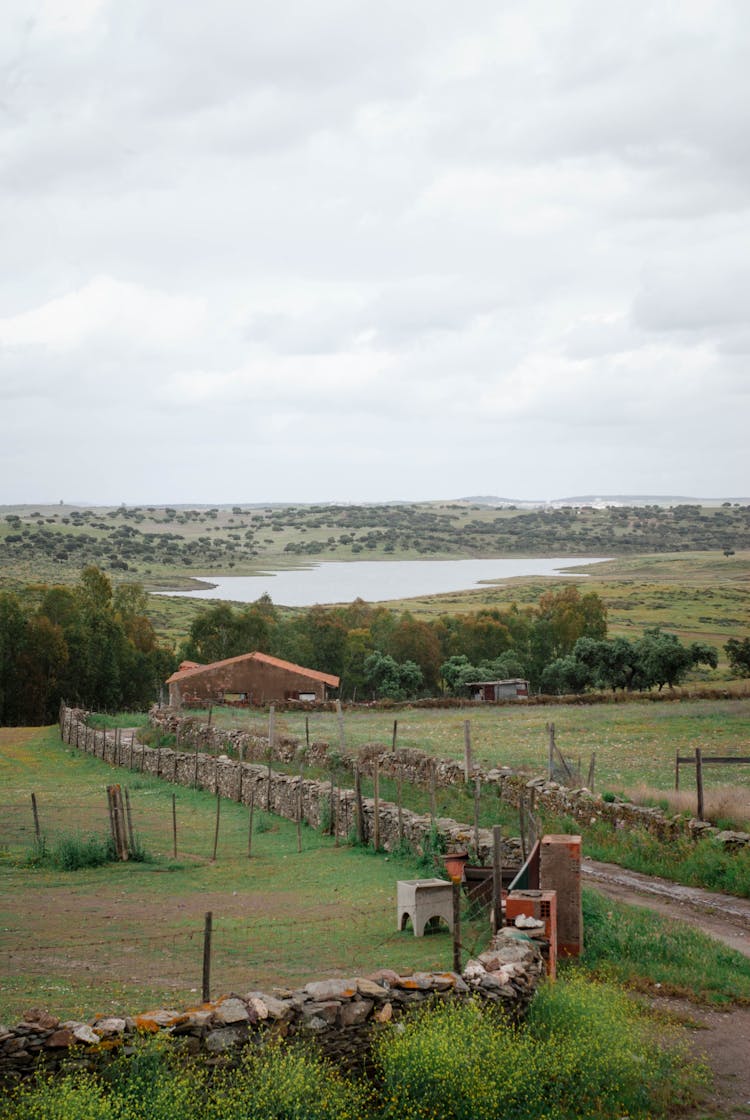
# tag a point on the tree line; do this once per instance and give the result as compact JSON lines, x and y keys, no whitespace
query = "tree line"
{"x":89,"y":644}
{"x":95,"y":646}
{"x":559,"y":645}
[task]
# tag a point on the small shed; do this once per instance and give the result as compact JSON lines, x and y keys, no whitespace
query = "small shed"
{"x":251,"y":678}
{"x":490,"y":691}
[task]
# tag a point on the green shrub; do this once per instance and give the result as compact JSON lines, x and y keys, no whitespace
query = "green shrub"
{"x":75,"y":852}
{"x":631,"y":945}
{"x":286,"y":1084}
{"x":698,"y":864}
{"x":586,"y":1051}
{"x":71,"y":1097}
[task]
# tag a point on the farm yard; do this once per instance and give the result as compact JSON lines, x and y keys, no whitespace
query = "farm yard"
{"x":111,"y":939}
{"x":280,"y":914}
{"x":130,"y":934}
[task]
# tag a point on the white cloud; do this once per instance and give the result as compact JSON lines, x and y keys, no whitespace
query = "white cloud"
{"x":416,"y":247}
{"x":105,"y":310}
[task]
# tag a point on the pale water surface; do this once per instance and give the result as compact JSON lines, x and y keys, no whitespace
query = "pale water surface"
{"x":376,"y":580}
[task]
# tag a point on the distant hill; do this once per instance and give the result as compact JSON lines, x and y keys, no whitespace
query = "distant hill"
{"x":597,"y":501}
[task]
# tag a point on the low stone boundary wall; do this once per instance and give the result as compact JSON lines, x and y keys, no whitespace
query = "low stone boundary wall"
{"x":341,"y":1016}
{"x":277,"y":792}
{"x":417,"y":767}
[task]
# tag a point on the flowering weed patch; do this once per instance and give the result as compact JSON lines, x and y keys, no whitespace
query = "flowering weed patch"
{"x":586,"y":1051}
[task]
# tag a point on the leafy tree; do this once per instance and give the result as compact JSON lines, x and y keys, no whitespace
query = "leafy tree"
{"x":456,"y":671}
{"x":414,"y":640}
{"x":358,"y":648}
{"x":389,"y":679}
{"x":12,"y":638}
{"x":42,"y":662}
{"x":565,"y":675}
{"x":738,"y":653}
{"x":571,"y":616}
{"x":663,"y":659}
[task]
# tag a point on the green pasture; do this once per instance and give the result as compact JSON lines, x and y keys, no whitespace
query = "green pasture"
{"x":129,"y":936}
{"x":635,"y":741}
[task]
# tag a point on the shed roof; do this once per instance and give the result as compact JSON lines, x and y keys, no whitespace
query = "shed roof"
{"x":265,"y":658}
{"x":511,"y":680}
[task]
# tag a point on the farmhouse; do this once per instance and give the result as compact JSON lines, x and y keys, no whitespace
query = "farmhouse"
{"x":251,"y":678}
{"x":488,"y":691}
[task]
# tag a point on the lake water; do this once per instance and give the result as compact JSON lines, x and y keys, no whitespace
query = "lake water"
{"x":376,"y":580}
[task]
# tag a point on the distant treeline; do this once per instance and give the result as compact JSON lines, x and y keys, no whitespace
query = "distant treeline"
{"x":89,"y":644}
{"x":95,"y":646}
{"x":138,"y":538}
{"x":560,"y":645}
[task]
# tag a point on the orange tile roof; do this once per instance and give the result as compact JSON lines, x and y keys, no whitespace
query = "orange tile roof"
{"x":313,"y":674}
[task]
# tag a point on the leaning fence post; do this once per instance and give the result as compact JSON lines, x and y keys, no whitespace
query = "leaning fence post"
{"x":376,"y":807}
{"x":37,"y":830}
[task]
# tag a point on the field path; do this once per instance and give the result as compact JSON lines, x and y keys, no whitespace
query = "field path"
{"x":723,"y":1037}
{"x":722,"y":916}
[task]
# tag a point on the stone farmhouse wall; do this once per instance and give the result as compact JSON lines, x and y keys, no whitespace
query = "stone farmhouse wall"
{"x":416,"y":766}
{"x":341,"y":1016}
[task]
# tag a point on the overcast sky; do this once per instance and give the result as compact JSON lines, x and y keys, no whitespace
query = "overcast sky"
{"x":324,"y":249}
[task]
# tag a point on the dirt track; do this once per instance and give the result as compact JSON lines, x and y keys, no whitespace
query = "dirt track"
{"x":723,"y":1037}
{"x":721,"y":915}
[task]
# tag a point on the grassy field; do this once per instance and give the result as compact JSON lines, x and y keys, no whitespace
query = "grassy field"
{"x":129,"y":936}
{"x":635,"y":741}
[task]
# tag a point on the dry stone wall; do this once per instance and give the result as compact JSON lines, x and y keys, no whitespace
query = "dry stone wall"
{"x":417,"y":767}
{"x":280,"y":793}
{"x":340,"y":1016}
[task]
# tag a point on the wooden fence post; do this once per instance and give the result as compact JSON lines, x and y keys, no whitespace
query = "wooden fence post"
{"x":216,"y":830}
{"x":206,"y":985}
{"x":361,"y":830}
{"x":433,"y":791}
{"x":340,"y":720}
{"x":299,"y":807}
{"x":456,"y":925}
{"x":477,"y":795}
{"x":376,"y":797}
{"x":129,"y":820}
{"x":250,"y":822}
{"x":399,"y":793}
{"x":37,"y":830}
{"x":174,"y":826}
{"x":468,"y":768}
{"x":677,"y":771}
{"x":699,"y":781}
{"x":497,"y":877}
{"x":592,"y":766}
